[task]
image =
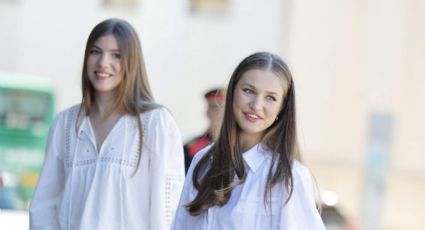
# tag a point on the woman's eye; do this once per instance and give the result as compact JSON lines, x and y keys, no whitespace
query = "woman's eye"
{"x":248,"y":91}
{"x":117,"y":55}
{"x":94,"y":51}
{"x":271,"y":98}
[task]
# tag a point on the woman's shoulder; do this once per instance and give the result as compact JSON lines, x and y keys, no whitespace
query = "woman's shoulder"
{"x":198,"y":156}
{"x":155,"y":111}
{"x":299,"y":167}
{"x":63,"y":121}
{"x":300,"y":171}
{"x":69,"y":110}
{"x":160,"y":114}
{"x":69,"y":113}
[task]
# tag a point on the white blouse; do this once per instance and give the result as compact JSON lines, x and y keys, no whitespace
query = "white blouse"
{"x":245,"y":208}
{"x":81,"y":187}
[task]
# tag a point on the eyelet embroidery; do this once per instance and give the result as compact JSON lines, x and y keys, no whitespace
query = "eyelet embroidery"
{"x":110,"y":155}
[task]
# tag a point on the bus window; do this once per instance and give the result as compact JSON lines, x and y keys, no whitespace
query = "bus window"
{"x":25,"y":110}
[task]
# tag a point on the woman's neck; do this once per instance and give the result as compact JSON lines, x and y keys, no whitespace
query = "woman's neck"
{"x":103,"y":117}
{"x":103,"y":106}
{"x":247,"y":141}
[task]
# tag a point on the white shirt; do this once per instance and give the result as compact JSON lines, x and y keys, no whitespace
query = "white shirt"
{"x":245,"y":209}
{"x":82,"y":188}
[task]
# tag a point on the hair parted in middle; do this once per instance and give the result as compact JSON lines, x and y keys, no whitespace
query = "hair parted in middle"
{"x":134,"y":95}
{"x":134,"y":92}
{"x":214,"y":174}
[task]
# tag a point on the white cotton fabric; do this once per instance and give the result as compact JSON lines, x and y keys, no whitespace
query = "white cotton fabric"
{"x":245,"y":209}
{"x":83,"y":188}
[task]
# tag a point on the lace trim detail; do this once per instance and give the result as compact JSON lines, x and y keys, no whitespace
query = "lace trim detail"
{"x":172,"y":183}
{"x":109,"y":160}
{"x":71,"y":118}
{"x":144,"y":118}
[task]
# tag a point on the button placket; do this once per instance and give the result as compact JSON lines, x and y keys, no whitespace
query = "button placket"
{"x":86,"y":152}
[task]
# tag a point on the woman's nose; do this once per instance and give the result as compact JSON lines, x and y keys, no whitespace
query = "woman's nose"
{"x":256,"y":103}
{"x":103,"y":60}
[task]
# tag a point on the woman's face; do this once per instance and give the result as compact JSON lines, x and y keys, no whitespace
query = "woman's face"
{"x":104,"y":64}
{"x":257,"y":101}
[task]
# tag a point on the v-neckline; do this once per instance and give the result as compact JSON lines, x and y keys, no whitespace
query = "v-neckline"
{"x":93,"y":134}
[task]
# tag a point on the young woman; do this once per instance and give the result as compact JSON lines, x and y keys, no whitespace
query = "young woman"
{"x":115,"y":161}
{"x":251,"y":177}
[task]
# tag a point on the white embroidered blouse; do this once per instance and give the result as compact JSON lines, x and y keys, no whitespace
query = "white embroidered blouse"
{"x":245,"y":209}
{"x":81,"y":187}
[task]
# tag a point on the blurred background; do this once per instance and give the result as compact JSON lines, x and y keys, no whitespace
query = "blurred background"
{"x":358,"y":67}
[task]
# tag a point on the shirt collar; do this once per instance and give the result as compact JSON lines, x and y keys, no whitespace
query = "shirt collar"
{"x":85,"y":126}
{"x":255,"y":156}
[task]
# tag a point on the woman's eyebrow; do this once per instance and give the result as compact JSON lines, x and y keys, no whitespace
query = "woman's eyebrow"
{"x":252,"y":86}
{"x":247,"y":84}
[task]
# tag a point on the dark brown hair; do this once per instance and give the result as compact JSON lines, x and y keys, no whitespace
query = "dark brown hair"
{"x":214,"y":175}
{"x":134,"y":95}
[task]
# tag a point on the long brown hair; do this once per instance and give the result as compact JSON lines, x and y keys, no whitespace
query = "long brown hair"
{"x":214,"y":175}
{"x":134,"y":95}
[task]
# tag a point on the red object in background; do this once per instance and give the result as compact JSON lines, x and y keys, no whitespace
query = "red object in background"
{"x":197,"y":144}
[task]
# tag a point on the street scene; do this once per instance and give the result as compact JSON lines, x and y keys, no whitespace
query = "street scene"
{"x":359,"y":87}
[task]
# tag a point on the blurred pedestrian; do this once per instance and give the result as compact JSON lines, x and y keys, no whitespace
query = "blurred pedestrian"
{"x":115,"y":161}
{"x":215,"y":100}
{"x":252,"y":177}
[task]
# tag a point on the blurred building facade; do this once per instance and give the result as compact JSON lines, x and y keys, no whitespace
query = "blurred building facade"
{"x":352,"y":60}
{"x":355,"y":61}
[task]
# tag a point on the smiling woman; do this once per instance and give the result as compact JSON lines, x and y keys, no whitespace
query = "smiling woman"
{"x":104,"y":64}
{"x":115,"y":160}
{"x":257,"y":103}
{"x":252,"y":177}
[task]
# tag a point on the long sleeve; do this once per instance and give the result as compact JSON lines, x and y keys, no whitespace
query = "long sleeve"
{"x":43,"y":213}
{"x":302,"y":205}
{"x":166,"y":170}
{"x":183,"y":217}
{"x":180,"y":219}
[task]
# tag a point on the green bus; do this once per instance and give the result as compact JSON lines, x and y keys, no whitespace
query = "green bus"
{"x":26,"y":112}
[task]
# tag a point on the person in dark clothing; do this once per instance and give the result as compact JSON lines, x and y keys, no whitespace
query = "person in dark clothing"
{"x":215,"y":99}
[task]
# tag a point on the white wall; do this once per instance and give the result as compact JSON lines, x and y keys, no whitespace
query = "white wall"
{"x":10,"y":24}
{"x":215,"y":44}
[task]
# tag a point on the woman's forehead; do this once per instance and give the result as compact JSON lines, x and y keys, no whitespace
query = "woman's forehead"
{"x":264,"y":80}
